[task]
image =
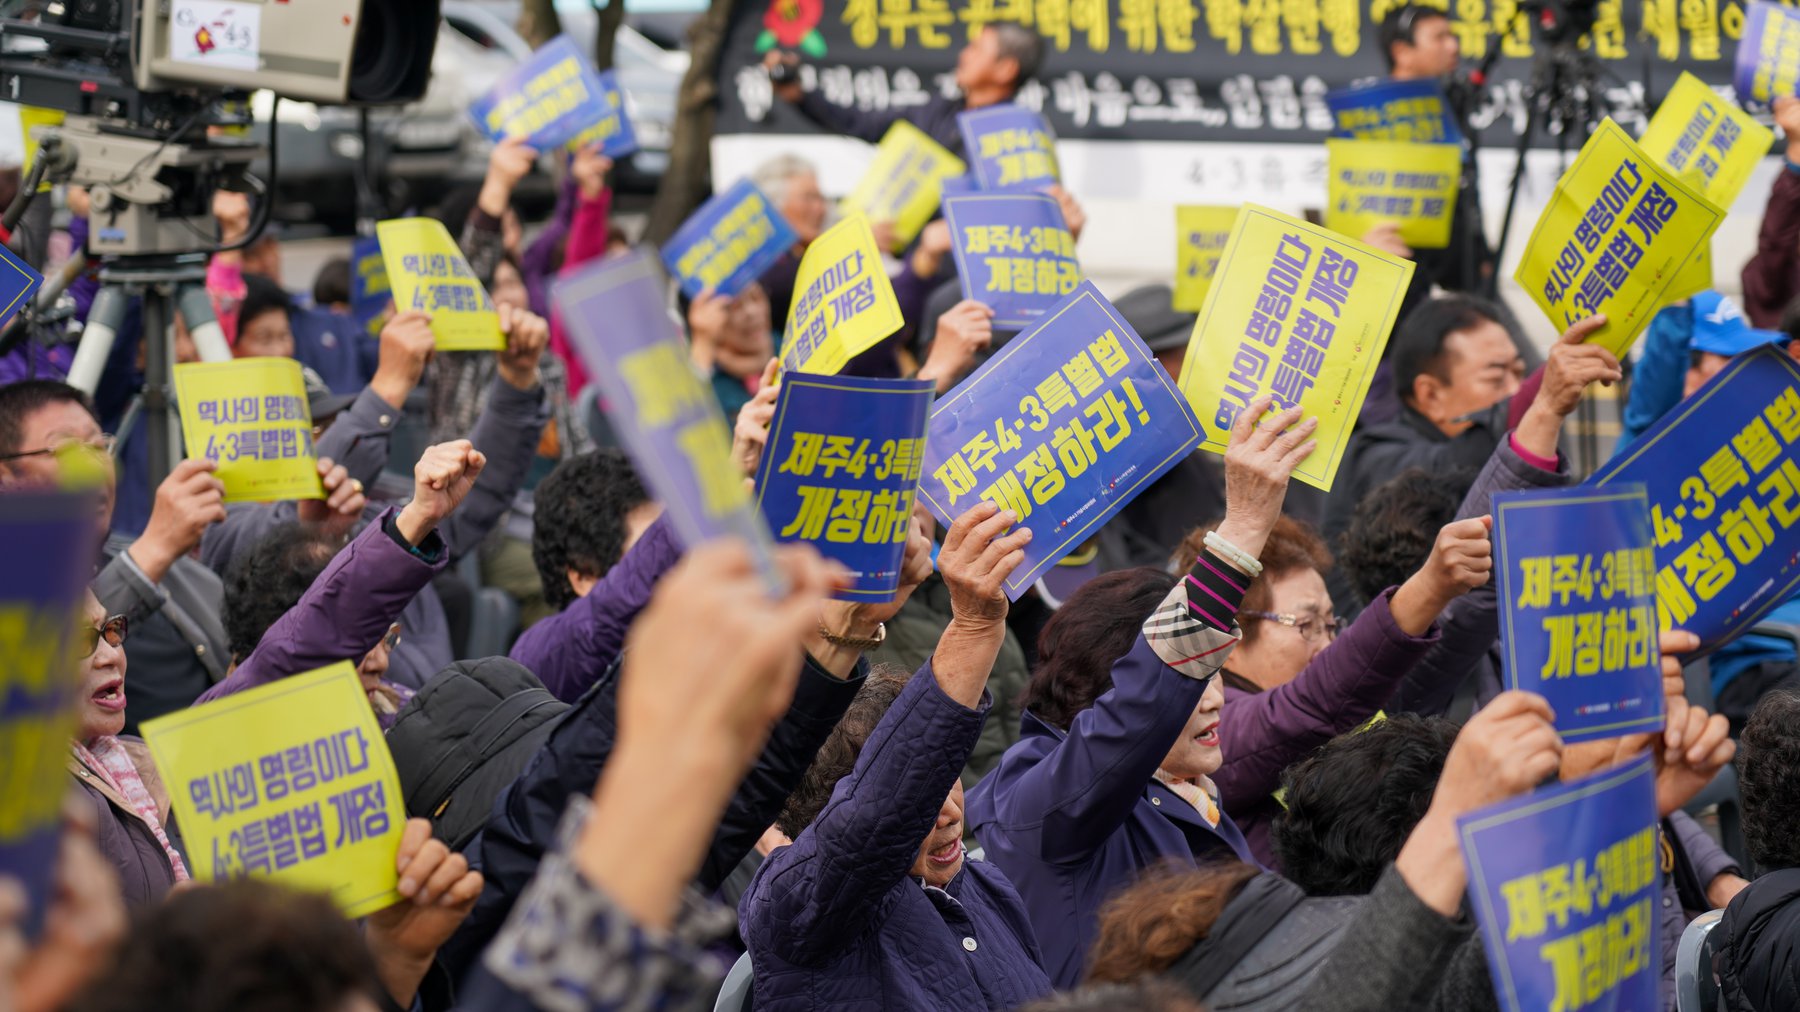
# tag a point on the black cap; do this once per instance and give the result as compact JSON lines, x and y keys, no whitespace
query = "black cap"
{"x":320,"y":401}
{"x":1151,"y":312}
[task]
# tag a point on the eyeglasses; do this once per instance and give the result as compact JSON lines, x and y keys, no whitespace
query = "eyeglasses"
{"x":392,"y":639}
{"x":88,"y":637}
{"x":103,"y":443}
{"x":1311,"y":627}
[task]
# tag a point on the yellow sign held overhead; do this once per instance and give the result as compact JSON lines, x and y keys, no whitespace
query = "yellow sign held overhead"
{"x":1414,"y":186}
{"x":1299,"y":312}
{"x":844,"y":303}
{"x":1200,"y":235}
{"x":904,"y":184}
{"x":251,"y":417}
{"x":427,"y":272}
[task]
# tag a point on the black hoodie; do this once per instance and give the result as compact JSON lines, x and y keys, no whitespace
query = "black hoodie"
{"x":1759,"y":947}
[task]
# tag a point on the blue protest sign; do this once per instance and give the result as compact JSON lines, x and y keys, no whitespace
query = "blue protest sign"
{"x":370,"y":292}
{"x":1009,"y":147}
{"x":669,"y":420}
{"x":1414,"y":111}
{"x":1064,"y":426}
{"x":1723,"y":477}
{"x":612,"y":131}
{"x":17,"y":283}
{"x":1578,"y":608}
{"x":47,"y":535}
{"x":1013,"y":254}
{"x":728,"y":243}
{"x":839,"y":472}
{"x":550,"y":99}
{"x":1564,"y":882}
{"x":1768,"y":55}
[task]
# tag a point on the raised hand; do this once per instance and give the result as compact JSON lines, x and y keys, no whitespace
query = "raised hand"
{"x":527,"y":335}
{"x":188,"y":501}
{"x":509,"y":162}
{"x":1074,"y":218}
{"x":976,"y":559}
{"x":441,"y":478}
{"x":1386,"y":238}
{"x":1461,"y":560}
{"x":1573,"y":365}
{"x":589,"y":169}
{"x":407,"y":345}
{"x":1787,"y":117}
{"x":343,"y":502}
{"x":437,"y":892}
{"x":1259,"y":460}
{"x":964,"y":331}
{"x":750,"y":435}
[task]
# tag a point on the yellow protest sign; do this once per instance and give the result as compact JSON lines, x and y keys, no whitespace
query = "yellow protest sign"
{"x":1200,"y":235}
{"x":1706,"y":139}
{"x":290,"y":781}
{"x":843,"y":301}
{"x":905,"y":182}
{"x":1376,"y":182}
{"x":1694,"y":278}
{"x":427,"y":272}
{"x":1615,"y":235}
{"x":1299,"y":312}
{"x":251,"y":417}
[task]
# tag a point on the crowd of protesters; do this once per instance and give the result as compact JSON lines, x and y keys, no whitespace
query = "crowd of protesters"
{"x":1188,"y":776}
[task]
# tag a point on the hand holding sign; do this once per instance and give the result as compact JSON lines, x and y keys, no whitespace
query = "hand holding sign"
{"x":977,"y":557}
{"x":188,"y":501}
{"x":1258,"y":463}
{"x":1572,"y":367}
{"x":407,"y":345}
{"x":441,"y":478}
{"x":343,"y":503}
{"x":751,"y":432}
{"x":527,"y":335}
{"x":589,"y":169}
{"x":1787,"y":117}
{"x":437,"y":891}
{"x":963,"y":334}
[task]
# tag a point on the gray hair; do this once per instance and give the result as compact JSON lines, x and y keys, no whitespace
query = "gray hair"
{"x":1020,"y":44}
{"x":772,"y":176}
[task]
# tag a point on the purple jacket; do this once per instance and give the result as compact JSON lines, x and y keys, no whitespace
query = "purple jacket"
{"x":570,"y":650}
{"x":1073,"y":818}
{"x":345,"y":612}
{"x":834,"y":921}
{"x":1263,"y":733}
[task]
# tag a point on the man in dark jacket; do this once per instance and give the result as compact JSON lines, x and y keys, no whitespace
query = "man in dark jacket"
{"x":989,"y":70}
{"x":1759,"y":947}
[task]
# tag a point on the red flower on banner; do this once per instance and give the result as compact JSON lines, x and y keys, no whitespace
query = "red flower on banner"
{"x":792,"y":24}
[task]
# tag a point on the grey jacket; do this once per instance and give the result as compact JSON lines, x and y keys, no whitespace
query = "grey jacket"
{"x":177,"y":646}
{"x":124,"y":838}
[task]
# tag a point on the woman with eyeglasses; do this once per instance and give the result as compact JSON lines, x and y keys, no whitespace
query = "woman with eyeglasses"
{"x":115,"y":772}
{"x":1132,"y":712}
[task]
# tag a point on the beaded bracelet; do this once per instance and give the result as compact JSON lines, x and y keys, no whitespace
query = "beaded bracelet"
{"x":1233,"y":554}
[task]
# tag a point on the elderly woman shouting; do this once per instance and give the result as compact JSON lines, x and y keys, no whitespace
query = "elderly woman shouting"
{"x":1126,"y":721}
{"x":873,"y":905}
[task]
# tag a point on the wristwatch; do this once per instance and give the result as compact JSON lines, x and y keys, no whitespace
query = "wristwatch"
{"x":856,"y":642}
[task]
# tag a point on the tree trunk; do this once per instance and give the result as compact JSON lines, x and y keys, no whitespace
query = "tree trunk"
{"x":608,"y":17}
{"x":538,"y":22}
{"x":688,"y":181}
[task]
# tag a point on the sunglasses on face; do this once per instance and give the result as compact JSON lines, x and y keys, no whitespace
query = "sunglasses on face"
{"x":88,"y":637}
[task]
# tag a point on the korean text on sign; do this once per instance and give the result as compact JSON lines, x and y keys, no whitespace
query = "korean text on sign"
{"x":612,"y":131}
{"x":290,"y":780}
{"x":728,"y":243}
{"x":1768,"y":56}
{"x":1723,"y":476}
{"x":1577,"y":580}
{"x":1414,"y":186}
{"x":1064,"y":426}
{"x":1414,"y":112}
{"x":369,"y":289}
{"x":1565,"y":882}
{"x":251,"y":417}
{"x":1200,"y":236}
{"x":669,"y":421}
{"x":1706,"y":140}
{"x":427,"y":272}
{"x":1009,"y":147}
{"x":843,"y":301}
{"x":905,"y":182}
{"x":1615,"y":235}
{"x":47,"y":535}
{"x":1299,"y":312}
{"x":840,"y":470}
{"x":553,"y":98}
{"x":1013,"y":253}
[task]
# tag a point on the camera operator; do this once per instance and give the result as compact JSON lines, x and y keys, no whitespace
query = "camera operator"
{"x":989,"y":70}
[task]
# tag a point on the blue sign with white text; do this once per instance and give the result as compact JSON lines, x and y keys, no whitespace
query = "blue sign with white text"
{"x":1063,"y":426}
{"x":728,"y":243}
{"x":1723,"y":476}
{"x":1412,"y":111}
{"x":1009,"y":147}
{"x":668,"y":419}
{"x":554,"y":98}
{"x":1576,"y":579}
{"x":1565,"y":882}
{"x":1013,"y":254}
{"x":840,"y":470}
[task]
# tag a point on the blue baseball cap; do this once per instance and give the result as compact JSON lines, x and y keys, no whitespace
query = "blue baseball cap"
{"x":1720,"y":327}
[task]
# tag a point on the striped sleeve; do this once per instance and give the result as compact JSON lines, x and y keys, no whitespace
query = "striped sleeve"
{"x":1195,"y":627}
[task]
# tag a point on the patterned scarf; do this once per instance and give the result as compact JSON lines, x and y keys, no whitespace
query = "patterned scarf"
{"x":1201,"y":797}
{"x":109,"y":758}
